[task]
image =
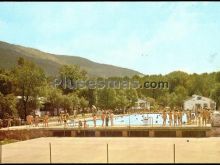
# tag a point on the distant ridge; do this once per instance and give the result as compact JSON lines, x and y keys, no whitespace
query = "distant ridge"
{"x":51,"y":63}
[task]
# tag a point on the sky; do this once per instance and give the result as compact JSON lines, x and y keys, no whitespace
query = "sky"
{"x":149,"y":37}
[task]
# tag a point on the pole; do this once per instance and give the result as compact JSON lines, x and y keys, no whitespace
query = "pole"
{"x":174,"y":156}
{"x":107,"y":152}
{"x":50,"y":153}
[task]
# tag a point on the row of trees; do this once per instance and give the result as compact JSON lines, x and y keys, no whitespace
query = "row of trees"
{"x":26,"y":87}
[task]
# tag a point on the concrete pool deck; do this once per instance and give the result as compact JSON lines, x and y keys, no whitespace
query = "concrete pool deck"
{"x":121,"y":150}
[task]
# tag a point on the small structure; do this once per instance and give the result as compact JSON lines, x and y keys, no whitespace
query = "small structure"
{"x":197,"y":101}
{"x":37,"y":111}
{"x":141,"y":104}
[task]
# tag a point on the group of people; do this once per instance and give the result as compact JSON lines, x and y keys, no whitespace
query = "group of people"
{"x":36,"y":119}
{"x":201,"y":117}
{"x":106,"y":118}
{"x":63,"y":118}
{"x":174,"y":117}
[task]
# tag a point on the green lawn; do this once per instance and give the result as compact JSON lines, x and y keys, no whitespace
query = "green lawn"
{"x":7,"y":141}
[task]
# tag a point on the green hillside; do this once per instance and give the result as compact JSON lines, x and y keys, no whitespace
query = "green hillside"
{"x":9,"y":54}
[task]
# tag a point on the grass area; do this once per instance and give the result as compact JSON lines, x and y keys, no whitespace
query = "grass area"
{"x":7,"y":141}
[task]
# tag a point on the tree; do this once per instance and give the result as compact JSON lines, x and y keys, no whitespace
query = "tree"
{"x":7,"y":105}
{"x":106,"y":98}
{"x":6,"y":82}
{"x":75,"y":101}
{"x":67,"y":104}
{"x":121,"y":100}
{"x":83,"y":103}
{"x":215,"y":94}
{"x":177,"y":78}
{"x":69,"y":74}
{"x":54,"y":98}
{"x":91,"y":96}
{"x":132,"y":96}
{"x":217,"y":77}
{"x":29,"y":79}
{"x":180,"y":95}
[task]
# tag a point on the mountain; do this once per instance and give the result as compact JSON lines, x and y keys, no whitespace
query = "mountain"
{"x":51,"y":63}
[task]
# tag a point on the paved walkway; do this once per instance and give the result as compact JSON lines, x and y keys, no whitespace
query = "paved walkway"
{"x":121,"y":150}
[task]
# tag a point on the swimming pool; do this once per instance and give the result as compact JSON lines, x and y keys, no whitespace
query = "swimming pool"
{"x":136,"y":120}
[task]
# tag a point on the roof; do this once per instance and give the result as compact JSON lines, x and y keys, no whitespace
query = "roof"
{"x":41,"y":99}
{"x":141,"y":101}
{"x":195,"y":96}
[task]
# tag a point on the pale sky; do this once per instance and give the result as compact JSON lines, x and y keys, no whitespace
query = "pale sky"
{"x":149,"y":37}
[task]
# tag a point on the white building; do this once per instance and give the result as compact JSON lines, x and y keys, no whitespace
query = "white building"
{"x":41,"y":100}
{"x":141,"y":104}
{"x":197,"y":101}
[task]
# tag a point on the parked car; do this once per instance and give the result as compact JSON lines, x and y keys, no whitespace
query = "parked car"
{"x":215,"y":119}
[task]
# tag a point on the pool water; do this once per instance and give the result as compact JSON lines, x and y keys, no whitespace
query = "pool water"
{"x":136,"y":120}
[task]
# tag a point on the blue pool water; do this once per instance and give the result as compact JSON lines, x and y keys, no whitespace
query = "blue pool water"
{"x":135,"y":120}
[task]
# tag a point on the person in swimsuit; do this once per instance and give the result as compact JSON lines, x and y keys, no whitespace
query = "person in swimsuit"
{"x":171,"y":118}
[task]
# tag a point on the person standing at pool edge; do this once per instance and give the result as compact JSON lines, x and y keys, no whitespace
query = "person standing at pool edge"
{"x":112,"y":118}
{"x":179,"y":117}
{"x":103,"y":118}
{"x":46,"y":117}
{"x":107,"y":119}
{"x":170,"y":118}
{"x":175,"y":117}
{"x":164,"y":116}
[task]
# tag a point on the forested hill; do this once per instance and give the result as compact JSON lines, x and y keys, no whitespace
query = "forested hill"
{"x":9,"y":54}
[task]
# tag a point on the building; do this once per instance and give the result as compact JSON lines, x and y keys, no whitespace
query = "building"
{"x":197,"y":101}
{"x":37,"y":111}
{"x":141,"y":104}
